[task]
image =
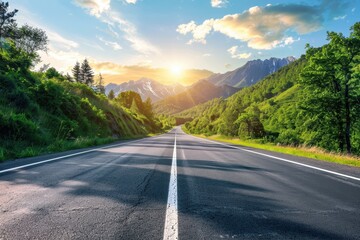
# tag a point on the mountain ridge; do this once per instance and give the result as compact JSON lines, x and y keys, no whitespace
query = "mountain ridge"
{"x":251,"y":72}
{"x":147,"y":88}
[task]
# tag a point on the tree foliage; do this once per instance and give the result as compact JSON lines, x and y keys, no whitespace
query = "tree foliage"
{"x":333,"y":86}
{"x":7,"y":21}
{"x":76,"y":71}
{"x":111,"y":94}
{"x":86,"y":73}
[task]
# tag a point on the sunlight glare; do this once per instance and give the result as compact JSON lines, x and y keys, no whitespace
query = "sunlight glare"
{"x":176,"y":70}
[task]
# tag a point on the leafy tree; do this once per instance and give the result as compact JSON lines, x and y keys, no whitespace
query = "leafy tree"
{"x":331,"y":83}
{"x":148,"y":108}
{"x":52,"y":73}
{"x":250,"y":126}
{"x":30,"y":39}
{"x":76,"y":71}
{"x":111,"y":95}
{"x":87,"y":73}
{"x":7,"y":21}
{"x":134,"y":107}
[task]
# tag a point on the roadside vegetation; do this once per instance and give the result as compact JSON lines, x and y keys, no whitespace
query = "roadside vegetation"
{"x":48,"y":111}
{"x":313,"y":103}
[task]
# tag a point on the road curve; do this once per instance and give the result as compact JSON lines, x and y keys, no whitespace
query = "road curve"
{"x":221,"y":192}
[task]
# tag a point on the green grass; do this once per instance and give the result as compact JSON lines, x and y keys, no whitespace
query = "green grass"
{"x":314,"y":153}
{"x":60,"y":146}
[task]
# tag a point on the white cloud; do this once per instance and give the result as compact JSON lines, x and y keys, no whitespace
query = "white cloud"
{"x":234,"y":52}
{"x":131,"y":1}
{"x":56,"y":38}
{"x":114,"y":20}
{"x":260,"y":27}
{"x":340,"y":17}
{"x":101,"y":9}
{"x":95,"y":7}
{"x":113,"y":45}
{"x":62,"y":60}
{"x":206,"y":55}
{"x":199,"y":32}
{"x":218,"y":3}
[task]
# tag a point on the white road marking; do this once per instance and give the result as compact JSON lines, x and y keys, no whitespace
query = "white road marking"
{"x":66,"y":156}
{"x":284,"y":160}
{"x":171,"y":220}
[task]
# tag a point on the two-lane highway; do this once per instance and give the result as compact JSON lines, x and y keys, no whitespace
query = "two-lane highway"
{"x":178,"y":186}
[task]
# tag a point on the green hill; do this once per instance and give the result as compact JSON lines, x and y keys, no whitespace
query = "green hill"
{"x":40,"y":112}
{"x":313,"y":101}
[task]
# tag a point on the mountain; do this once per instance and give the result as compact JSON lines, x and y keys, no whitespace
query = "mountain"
{"x":200,"y":92}
{"x":146,"y":88}
{"x":251,"y":72}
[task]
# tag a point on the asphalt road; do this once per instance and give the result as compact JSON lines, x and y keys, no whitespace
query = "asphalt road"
{"x":216,"y":191}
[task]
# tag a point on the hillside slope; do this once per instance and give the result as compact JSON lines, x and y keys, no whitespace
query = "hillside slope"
{"x":39,"y":113}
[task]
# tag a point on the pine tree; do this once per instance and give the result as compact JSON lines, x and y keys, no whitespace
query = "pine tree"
{"x":111,"y":95}
{"x":87,"y":73}
{"x":100,"y":84}
{"x":68,"y":77}
{"x":76,"y":71}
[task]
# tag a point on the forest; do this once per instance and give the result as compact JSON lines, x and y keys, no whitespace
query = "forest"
{"x":314,"y":101}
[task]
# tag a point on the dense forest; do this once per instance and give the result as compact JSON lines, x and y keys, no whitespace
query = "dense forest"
{"x":46,"y":111}
{"x":315,"y":101}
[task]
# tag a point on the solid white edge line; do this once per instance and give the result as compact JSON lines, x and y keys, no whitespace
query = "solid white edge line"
{"x":171,"y":216}
{"x":70,"y":155}
{"x":282,"y":159}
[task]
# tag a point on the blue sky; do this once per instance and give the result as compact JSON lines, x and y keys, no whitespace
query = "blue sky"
{"x":122,"y":38}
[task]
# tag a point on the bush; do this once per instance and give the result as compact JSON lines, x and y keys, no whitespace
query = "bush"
{"x":289,"y":137}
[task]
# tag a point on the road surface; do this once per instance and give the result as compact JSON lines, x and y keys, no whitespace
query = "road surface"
{"x":154,"y":188}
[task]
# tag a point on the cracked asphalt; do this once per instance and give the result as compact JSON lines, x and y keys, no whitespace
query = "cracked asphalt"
{"x":120,"y":192}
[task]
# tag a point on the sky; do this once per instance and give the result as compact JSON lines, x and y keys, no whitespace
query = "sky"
{"x":180,"y":40}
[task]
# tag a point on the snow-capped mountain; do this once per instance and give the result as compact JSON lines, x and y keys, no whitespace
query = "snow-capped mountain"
{"x":146,"y":88}
{"x":251,"y":72}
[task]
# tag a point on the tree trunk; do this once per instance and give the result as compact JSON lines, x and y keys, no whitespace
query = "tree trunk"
{"x":339,"y":117}
{"x":347,"y":117}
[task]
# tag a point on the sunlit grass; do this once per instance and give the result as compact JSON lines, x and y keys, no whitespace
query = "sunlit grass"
{"x":308,"y":152}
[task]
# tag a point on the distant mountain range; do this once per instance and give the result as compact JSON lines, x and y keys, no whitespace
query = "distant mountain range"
{"x":146,"y":88}
{"x":250,"y":73}
{"x":175,"y":98}
{"x":200,"y":92}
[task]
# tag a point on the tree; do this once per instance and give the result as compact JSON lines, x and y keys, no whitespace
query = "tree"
{"x":148,"y":111}
{"x":100,"y":84}
{"x":87,"y":73}
{"x":76,"y":71}
{"x":30,"y":39}
{"x":111,"y":95}
{"x":44,"y":67}
{"x":332,"y":84}
{"x":7,"y":21}
{"x":68,"y":77}
{"x":53,"y":73}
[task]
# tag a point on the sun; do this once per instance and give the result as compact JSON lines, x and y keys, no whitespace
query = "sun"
{"x":176,"y":70}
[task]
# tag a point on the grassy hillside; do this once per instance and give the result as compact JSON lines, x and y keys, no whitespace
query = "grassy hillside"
{"x":41,"y":113}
